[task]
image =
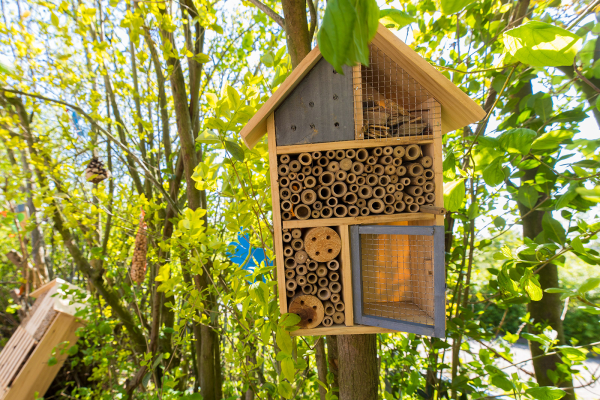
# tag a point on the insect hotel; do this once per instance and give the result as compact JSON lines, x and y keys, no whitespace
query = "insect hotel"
{"x":356,"y":182}
{"x":48,"y":331}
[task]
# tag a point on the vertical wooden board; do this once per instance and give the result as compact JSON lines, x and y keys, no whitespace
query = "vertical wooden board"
{"x":277,"y":233}
{"x":346,"y":269}
{"x":358,"y":103}
{"x":320,"y":109}
{"x":14,"y":354}
{"x":37,"y":375}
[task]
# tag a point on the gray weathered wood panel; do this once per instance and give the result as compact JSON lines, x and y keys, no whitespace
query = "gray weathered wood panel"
{"x":320,"y":109}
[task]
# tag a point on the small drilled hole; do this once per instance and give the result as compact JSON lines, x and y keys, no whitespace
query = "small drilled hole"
{"x":302,"y":302}
{"x":335,"y":96}
{"x":312,"y":126}
{"x":314,"y":239}
{"x":329,"y":250}
{"x":293,"y":127}
{"x":314,"y":307}
{"x":310,"y":320}
{"x":328,"y":237}
{"x":317,"y":253}
{"x":337,"y":124}
{"x":311,"y":104}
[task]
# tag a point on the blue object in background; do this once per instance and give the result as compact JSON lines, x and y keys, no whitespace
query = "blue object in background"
{"x":242,"y":249}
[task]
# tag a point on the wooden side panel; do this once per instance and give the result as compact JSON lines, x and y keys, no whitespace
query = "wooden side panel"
{"x":346,"y":269}
{"x":37,"y":375}
{"x":13,"y":356}
{"x":42,"y":316}
{"x":358,"y":106}
{"x":277,"y":233}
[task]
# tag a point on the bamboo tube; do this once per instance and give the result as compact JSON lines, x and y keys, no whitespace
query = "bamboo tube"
{"x":323,"y":161}
{"x":305,"y":158}
{"x":364,"y":211}
{"x":339,"y":306}
{"x":284,"y":159}
{"x":398,"y":195}
{"x":384,"y":180}
{"x":298,"y":244}
{"x":372,"y":160}
{"x":377,"y":151}
{"x":339,"y":189}
{"x":335,"y":287}
{"x":323,"y":282}
{"x":414,"y":169}
{"x":388,"y":150}
{"x":333,"y":277}
{"x":385,"y":160}
{"x":341,"y":175}
{"x":362,"y":155}
{"x":308,"y":197}
{"x":327,"y":321}
{"x":361,"y":203}
{"x":327,"y":178}
{"x":317,"y":170}
{"x":310,"y":182}
{"x":389,"y":199}
{"x":413,"y":208}
{"x":314,"y":292}
{"x":307,"y":170}
{"x":326,"y":212}
{"x":399,"y":151}
{"x":300,"y":177}
{"x":368,"y":169}
{"x":399,"y":206}
{"x":336,"y":298}
{"x":417,"y":180}
{"x":330,"y":154}
{"x":376,"y":206}
{"x":401,"y":170}
{"x":414,"y":190}
{"x":321,"y":270}
{"x":307,"y":289}
{"x":287,"y":237}
{"x":301,"y":269}
{"x":329,"y":308}
{"x":317,"y":205}
{"x":350,"y":153}
{"x":311,"y":278}
{"x":429,"y":198}
{"x":295,"y":166}
{"x":295,"y":186}
{"x":426,"y":161}
{"x":390,"y":188}
{"x":331,"y":202}
{"x":288,"y":251}
{"x":324,"y":192}
{"x":290,"y":293}
{"x":316,"y":155}
{"x":351,"y":178}
{"x":353,"y":211}
{"x":413,"y":151}
{"x":372,"y":180}
{"x":292,"y":176}
{"x":301,"y":257}
{"x":378,"y":169}
{"x":405,"y":181}
{"x":346,"y":164}
{"x":394,"y":179}
{"x":353,"y":188}
{"x":390,"y":169}
{"x":333,"y":265}
{"x":433,"y":210}
{"x":286,"y":205}
{"x":408,"y":199}
{"x":295,"y":199}
{"x":283,"y":170}
{"x":312,"y":265}
{"x":341,"y":210}
{"x":290,"y":273}
{"x":301,"y":280}
{"x":291,"y":285}
{"x":428,"y":187}
{"x":378,"y":192}
{"x":333,"y":166}
{"x":396,"y":162}
{"x":350,"y":198}
{"x":339,"y":318}
{"x":340,"y":155}
{"x":360,"y":180}
{"x":286,"y":215}
{"x":324,"y":293}
{"x":428,"y":174}
{"x":357,"y":167}
{"x":302,"y":211}
{"x":420,"y":200}
{"x":284,"y":181}
{"x":389,"y":209}
{"x":315,"y":214}
{"x":365,"y":192}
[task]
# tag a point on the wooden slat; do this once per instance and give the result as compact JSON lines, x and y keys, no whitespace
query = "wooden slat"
{"x":341,"y":330}
{"x":369,"y":219}
{"x":358,"y":106}
{"x":346,"y":269}
{"x":353,"y":144}
{"x":14,"y":354}
{"x":277,"y":233}
{"x":257,"y":126}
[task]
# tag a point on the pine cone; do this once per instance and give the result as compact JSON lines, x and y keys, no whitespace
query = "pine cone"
{"x":138,"y":263}
{"x":95,"y":171}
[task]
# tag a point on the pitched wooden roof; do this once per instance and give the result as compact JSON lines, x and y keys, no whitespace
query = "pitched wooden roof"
{"x":458,"y":109}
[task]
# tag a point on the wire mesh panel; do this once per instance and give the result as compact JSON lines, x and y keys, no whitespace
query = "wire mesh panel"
{"x":398,"y":277}
{"x":389,"y":103}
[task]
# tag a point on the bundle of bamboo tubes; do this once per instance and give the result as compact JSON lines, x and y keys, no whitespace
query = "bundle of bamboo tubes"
{"x":355,"y":182}
{"x":385,"y":118}
{"x":313,"y":275}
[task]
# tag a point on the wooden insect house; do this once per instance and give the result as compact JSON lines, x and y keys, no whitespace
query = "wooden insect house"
{"x":356,"y":181}
{"x":48,"y":331}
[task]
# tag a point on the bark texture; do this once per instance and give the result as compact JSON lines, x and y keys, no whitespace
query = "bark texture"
{"x":321,"y":366}
{"x":296,"y":29}
{"x":359,"y":373}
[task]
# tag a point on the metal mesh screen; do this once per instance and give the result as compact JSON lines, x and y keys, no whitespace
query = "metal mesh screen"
{"x":389,"y":103}
{"x":397,"y":277}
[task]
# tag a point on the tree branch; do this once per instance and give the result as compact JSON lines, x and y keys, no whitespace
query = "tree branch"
{"x":269,"y":11}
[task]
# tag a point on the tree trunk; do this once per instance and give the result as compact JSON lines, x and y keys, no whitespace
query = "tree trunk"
{"x":296,"y":29}
{"x":321,"y":366}
{"x":333,"y":362}
{"x":359,"y":373}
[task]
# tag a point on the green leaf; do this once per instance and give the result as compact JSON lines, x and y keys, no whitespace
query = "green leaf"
{"x":284,"y":340}
{"x":268,"y":59}
{"x":52,"y":361}
{"x":454,"y":194}
{"x":546,"y":393}
{"x":534,"y":290}
{"x":503,"y":383}
{"x":572,"y":353}
{"x":598,"y":103}
{"x":289,"y":319}
{"x":207,"y":137}
{"x":517,"y":141}
{"x":54,"y":19}
{"x":551,"y":140}
{"x":233,"y":97}
{"x":543,"y":107}
{"x":567,"y":197}
{"x":493,"y":174}
{"x":235,"y":150}
{"x":288,"y":370}
{"x":285,"y":390}
{"x":588,"y":285}
{"x":73,"y":350}
{"x":553,"y":229}
{"x":577,"y":245}
{"x":212,"y":99}
{"x":542,"y":45}
{"x":395,"y":19}
{"x":454,"y":6}
{"x":528,"y":196}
